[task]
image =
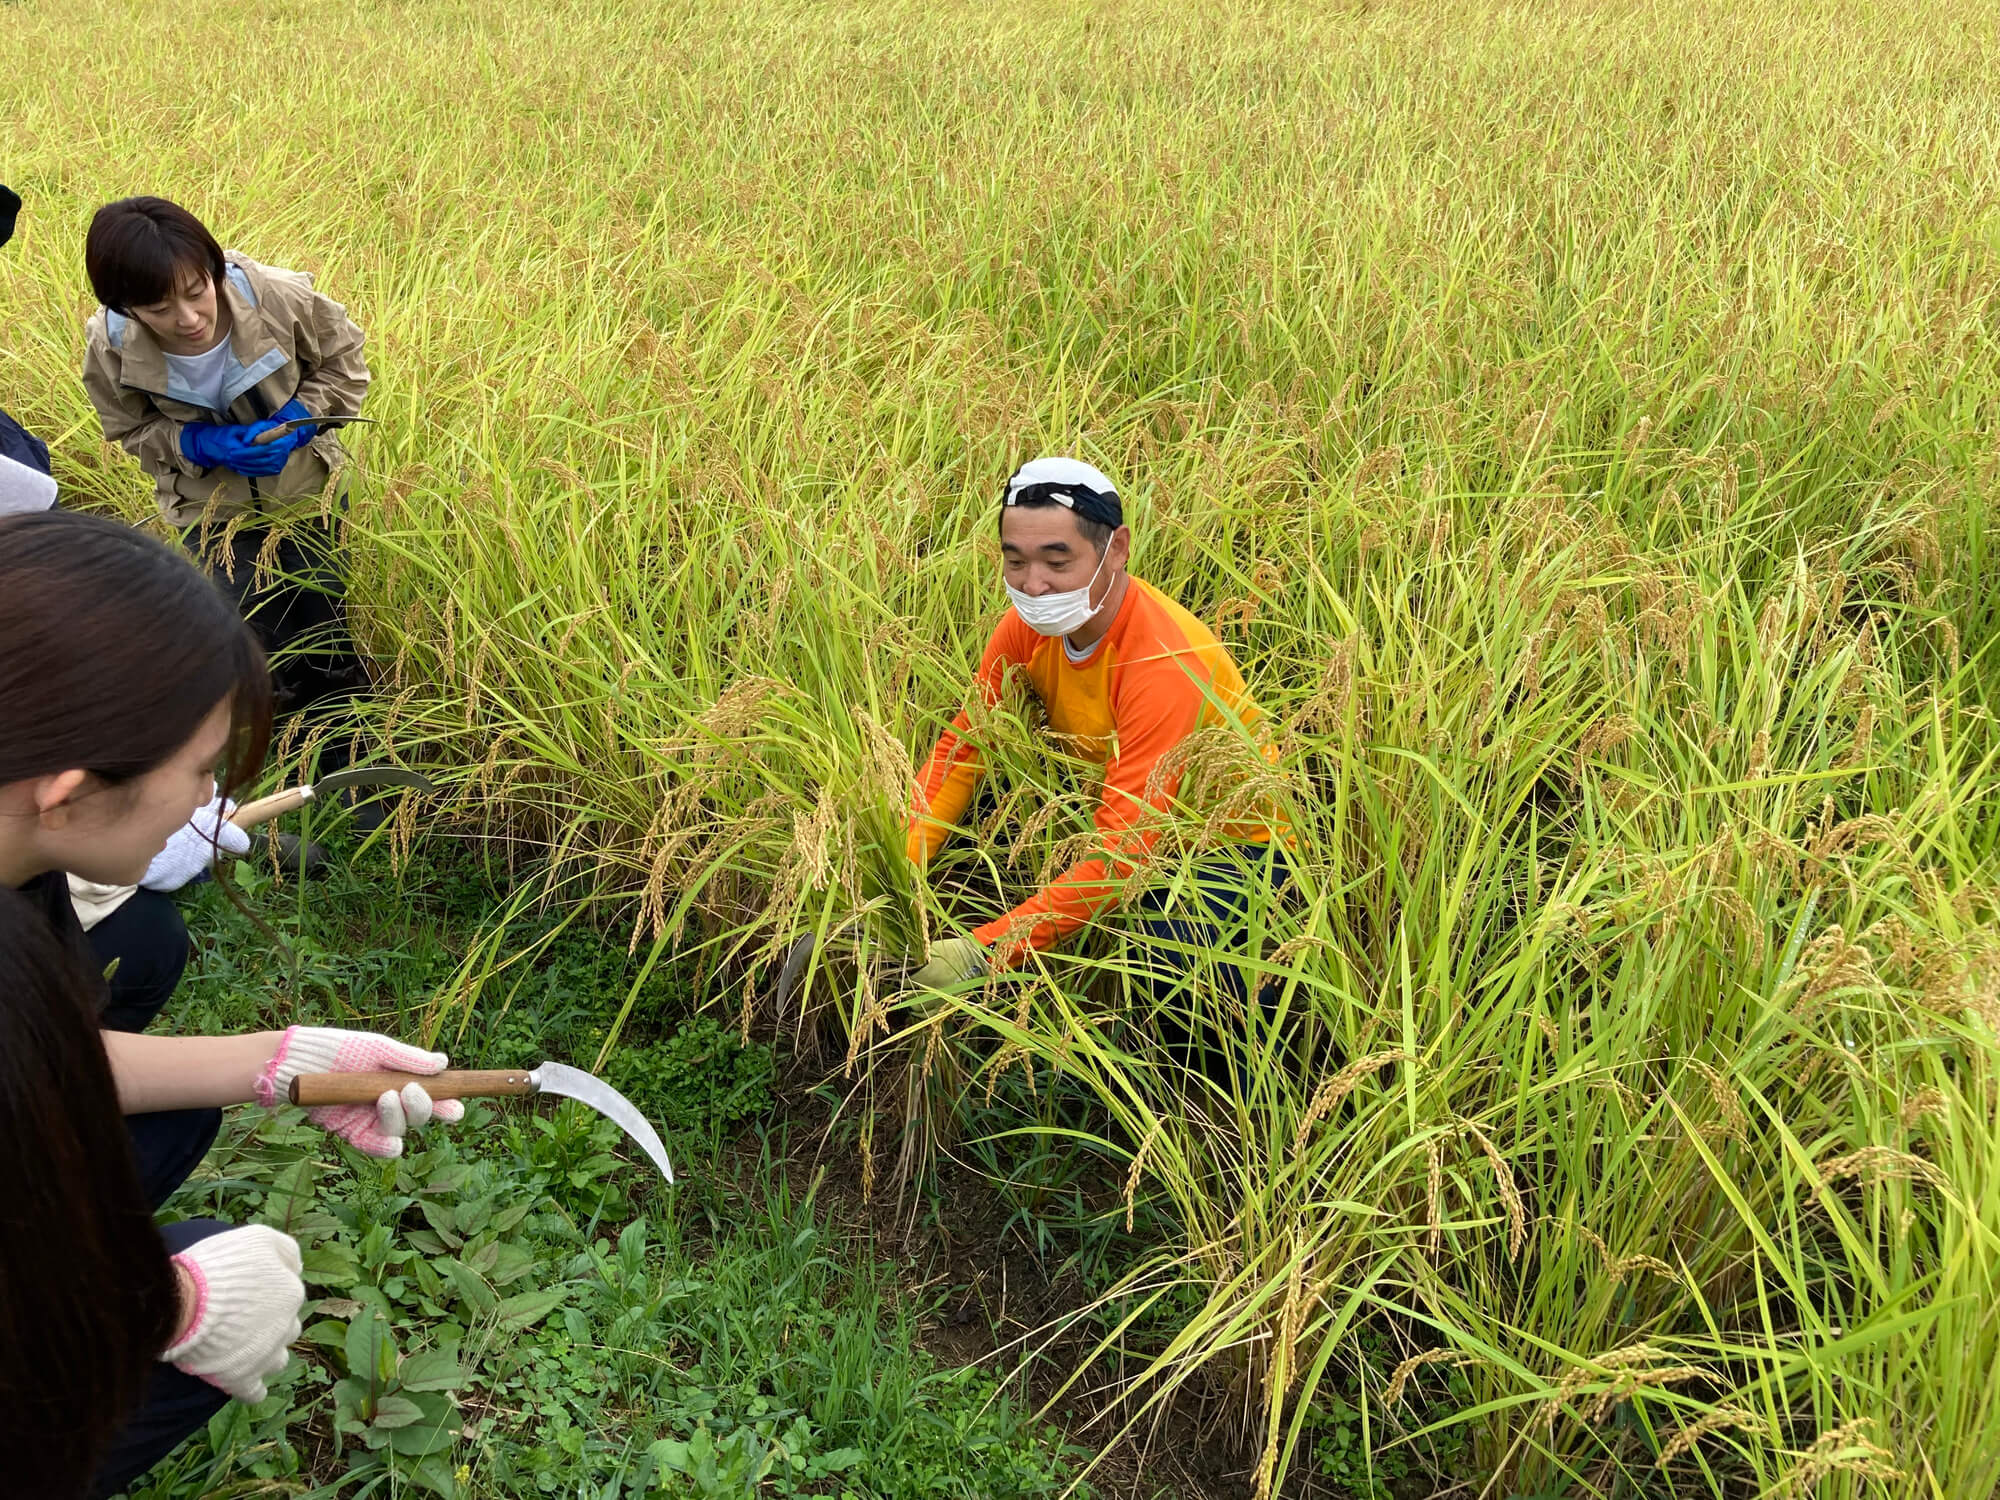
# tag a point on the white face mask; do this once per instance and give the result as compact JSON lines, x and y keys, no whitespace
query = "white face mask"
{"x":1058,"y":614}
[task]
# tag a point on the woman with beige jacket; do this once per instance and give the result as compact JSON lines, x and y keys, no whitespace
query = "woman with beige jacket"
{"x":197,"y":352}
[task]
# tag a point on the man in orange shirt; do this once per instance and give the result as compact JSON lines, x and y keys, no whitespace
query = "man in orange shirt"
{"x":1124,"y":674}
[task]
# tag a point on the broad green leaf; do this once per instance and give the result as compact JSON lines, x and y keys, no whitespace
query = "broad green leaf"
{"x":427,"y":1278}
{"x":396,"y":1411}
{"x":432,"y":1370}
{"x":329,"y":1333}
{"x":510,"y":1216}
{"x":330,"y":1265}
{"x":312,"y":1225}
{"x":529,"y":1308}
{"x":369,"y":1347}
{"x":510,"y":1263}
{"x":433,"y":1472}
{"x":445,"y":1180}
{"x":474,"y":1216}
{"x":349,"y":1397}
{"x":434,"y":1431}
{"x":443,"y":1222}
{"x":470,"y":1286}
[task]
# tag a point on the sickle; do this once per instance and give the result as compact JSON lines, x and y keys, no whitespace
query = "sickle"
{"x":293,"y":424}
{"x":250,"y":814}
{"x":314,"y":1089}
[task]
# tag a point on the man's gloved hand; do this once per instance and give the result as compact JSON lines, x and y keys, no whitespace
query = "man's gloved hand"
{"x":953,"y":961}
{"x":247,"y":1295}
{"x":373,"y":1129}
{"x":191,"y":848}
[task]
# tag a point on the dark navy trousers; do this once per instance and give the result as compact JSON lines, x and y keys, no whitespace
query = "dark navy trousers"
{"x":1210,"y":919}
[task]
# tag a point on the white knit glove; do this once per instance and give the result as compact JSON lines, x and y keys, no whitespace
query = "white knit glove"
{"x":247,"y":1295}
{"x":373,"y":1129}
{"x":191,"y":847}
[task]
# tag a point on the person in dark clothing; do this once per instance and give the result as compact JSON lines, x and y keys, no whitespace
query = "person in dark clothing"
{"x":126,"y":679}
{"x":143,"y":947}
{"x":166,"y":1147}
{"x":137,"y":932}
{"x":26,"y":481}
{"x":89,"y":1294}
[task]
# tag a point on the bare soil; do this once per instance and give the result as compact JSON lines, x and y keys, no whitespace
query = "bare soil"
{"x":992,"y":1300}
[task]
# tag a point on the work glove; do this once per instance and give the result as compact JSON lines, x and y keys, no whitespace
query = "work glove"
{"x":191,"y":847}
{"x":372,"y":1129}
{"x":953,"y":961}
{"x":247,"y":1295}
{"x":216,"y":447}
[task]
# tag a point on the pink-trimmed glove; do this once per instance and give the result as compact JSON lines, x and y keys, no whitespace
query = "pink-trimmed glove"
{"x":373,"y":1129}
{"x":247,"y":1295}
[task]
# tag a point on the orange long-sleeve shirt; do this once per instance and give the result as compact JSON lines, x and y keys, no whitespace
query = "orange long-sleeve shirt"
{"x":1156,"y":677}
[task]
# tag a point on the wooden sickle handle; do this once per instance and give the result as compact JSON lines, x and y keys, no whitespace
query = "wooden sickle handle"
{"x":313,"y":1089}
{"x":250,"y":814}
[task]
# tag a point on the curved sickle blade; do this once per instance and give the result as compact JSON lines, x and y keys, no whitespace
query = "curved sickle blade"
{"x":333,"y":781}
{"x":796,"y":958}
{"x":586,"y":1088}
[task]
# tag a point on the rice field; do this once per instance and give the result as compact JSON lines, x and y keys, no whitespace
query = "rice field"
{"x":1578,"y":419}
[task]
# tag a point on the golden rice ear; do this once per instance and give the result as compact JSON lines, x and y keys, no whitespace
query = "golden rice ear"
{"x":1510,"y":1192}
{"x":1327,"y":1098}
{"x":1433,"y":1195}
{"x":1717,"y":1419}
{"x":1845,"y":1449}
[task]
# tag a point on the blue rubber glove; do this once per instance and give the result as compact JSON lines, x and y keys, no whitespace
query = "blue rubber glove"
{"x":291,"y":411}
{"x":267,"y":459}
{"x":215,"y":447}
{"x":263,"y":460}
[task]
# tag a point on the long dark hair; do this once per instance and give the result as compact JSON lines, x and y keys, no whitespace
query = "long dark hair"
{"x":88,"y":1298}
{"x":113,"y":649}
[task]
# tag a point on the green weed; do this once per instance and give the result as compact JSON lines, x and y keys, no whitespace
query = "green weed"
{"x":516,"y":1308}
